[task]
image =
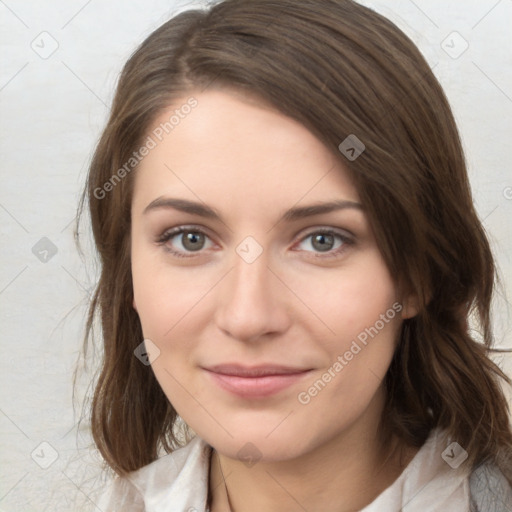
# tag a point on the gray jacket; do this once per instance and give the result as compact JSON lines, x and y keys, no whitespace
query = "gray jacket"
{"x":490,"y":491}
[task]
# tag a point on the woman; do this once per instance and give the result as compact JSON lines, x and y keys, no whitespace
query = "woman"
{"x":290,"y":256}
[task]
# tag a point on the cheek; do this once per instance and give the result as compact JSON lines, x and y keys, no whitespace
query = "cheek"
{"x":359,"y":306}
{"x":168,"y":301}
{"x":165,"y":297}
{"x":356,"y":365}
{"x":351,"y":299}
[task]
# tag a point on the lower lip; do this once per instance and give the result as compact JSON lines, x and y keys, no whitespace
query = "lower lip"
{"x":257,"y":387}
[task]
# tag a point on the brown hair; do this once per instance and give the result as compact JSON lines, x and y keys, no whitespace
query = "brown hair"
{"x":339,"y":68}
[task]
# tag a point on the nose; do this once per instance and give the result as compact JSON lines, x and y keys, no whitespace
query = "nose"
{"x":252,"y":302}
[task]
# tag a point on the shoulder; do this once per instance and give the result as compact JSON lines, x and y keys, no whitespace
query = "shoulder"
{"x":180,"y":478}
{"x":490,"y":490}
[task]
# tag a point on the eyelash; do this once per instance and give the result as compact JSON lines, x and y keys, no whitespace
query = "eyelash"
{"x":167,"y":235}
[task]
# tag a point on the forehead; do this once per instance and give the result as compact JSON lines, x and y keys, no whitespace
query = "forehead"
{"x":231,"y":147}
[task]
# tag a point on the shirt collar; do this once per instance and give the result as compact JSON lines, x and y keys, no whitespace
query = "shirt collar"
{"x":180,"y":480}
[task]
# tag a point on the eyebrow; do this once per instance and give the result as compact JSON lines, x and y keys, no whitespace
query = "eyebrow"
{"x":293,"y":214}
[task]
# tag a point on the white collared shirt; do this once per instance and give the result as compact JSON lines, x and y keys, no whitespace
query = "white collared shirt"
{"x":178,"y":482}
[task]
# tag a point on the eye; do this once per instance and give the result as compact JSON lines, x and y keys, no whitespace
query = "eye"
{"x":325,"y":241}
{"x":185,"y":240}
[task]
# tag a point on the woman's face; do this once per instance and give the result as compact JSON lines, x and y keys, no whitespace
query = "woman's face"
{"x":259,"y":282}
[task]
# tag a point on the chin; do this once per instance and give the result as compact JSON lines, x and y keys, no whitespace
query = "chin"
{"x":259,"y":442}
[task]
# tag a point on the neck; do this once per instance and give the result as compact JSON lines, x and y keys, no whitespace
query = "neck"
{"x":345,"y":473}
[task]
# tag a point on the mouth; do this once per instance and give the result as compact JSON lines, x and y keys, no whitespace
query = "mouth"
{"x":257,"y":381}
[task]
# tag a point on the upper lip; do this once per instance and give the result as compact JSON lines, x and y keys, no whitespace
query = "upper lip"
{"x":254,"y":371}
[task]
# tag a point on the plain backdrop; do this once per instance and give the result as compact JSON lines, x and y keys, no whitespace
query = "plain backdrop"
{"x":60,"y":63}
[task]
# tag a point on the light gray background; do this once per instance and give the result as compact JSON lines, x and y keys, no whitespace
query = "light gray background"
{"x":53,"y":108}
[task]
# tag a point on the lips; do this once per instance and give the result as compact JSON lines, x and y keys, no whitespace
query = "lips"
{"x":254,"y":371}
{"x":256,"y":381}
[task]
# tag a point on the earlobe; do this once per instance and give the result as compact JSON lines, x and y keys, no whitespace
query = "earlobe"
{"x":134,"y":305}
{"x":410,"y":307}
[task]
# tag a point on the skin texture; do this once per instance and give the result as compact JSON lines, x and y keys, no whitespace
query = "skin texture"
{"x":294,"y":305}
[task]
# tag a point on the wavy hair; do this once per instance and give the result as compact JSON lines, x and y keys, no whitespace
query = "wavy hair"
{"x":338,"y":68}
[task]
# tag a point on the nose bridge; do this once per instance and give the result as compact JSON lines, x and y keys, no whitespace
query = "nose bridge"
{"x":249,"y":304}
{"x":250,"y":279}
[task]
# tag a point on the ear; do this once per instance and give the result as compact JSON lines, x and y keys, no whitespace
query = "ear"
{"x":134,"y":305}
{"x":410,"y":306}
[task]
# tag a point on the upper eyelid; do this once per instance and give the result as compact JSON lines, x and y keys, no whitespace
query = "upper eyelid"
{"x":309,"y":231}
{"x":347,"y":239}
{"x":178,"y":230}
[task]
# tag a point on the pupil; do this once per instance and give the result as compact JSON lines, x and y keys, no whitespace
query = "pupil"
{"x":324,"y":242}
{"x":191,"y":240}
